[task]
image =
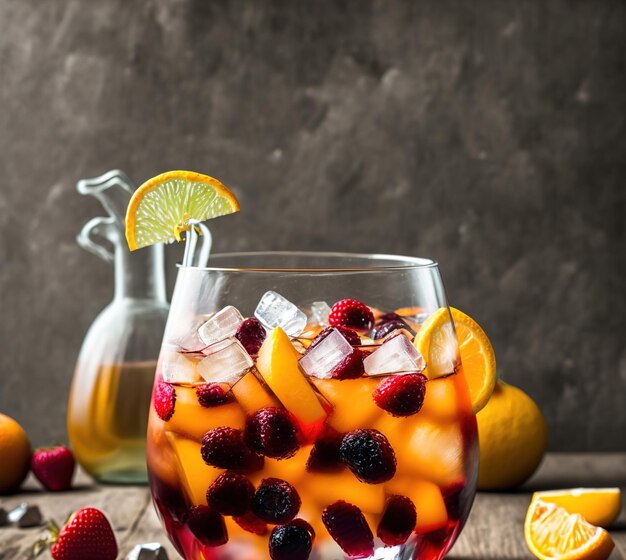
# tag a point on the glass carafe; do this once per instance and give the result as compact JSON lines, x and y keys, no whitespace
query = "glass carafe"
{"x":110,"y":394}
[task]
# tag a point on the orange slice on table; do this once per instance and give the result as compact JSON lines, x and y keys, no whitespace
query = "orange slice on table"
{"x":599,"y":506}
{"x":440,"y":347}
{"x":553,"y":533}
{"x":170,"y":203}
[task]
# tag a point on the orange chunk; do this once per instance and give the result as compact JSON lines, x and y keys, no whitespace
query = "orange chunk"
{"x":326,"y":489}
{"x":352,"y":400}
{"x":431,"y":509}
{"x":195,"y":474}
{"x":278,"y":364}
{"x":160,"y":456}
{"x":293,"y":469}
{"x":446,"y":399}
{"x":553,"y":533}
{"x":251,"y":394}
{"x":192,"y":420}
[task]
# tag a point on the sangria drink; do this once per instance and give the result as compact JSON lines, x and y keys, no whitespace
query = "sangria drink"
{"x":311,"y":406}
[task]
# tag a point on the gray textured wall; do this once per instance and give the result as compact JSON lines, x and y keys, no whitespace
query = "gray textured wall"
{"x":489,"y":135}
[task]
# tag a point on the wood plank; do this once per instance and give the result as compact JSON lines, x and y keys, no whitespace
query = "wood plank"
{"x":494,"y":529}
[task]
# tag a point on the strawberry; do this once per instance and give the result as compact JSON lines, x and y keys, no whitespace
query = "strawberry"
{"x":53,"y":467}
{"x":351,"y":313}
{"x":87,"y":534}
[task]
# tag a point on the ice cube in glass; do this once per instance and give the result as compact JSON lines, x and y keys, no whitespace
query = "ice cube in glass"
{"x":223,"y":324}
{"x":318,"y":314}
{"x":321,"y":360}
{"x":274,"y":310}
{"x":179,"y":367}
{"x":396,"y":355}
{"x":225,"y":362}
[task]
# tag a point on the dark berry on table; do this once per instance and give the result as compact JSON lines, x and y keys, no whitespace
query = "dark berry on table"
{"x":251,"y":334}
{"x":207,"y":525}
{"x":224,"y":448}
{"x":351,"y":313}
{"x":398,"y":521}
{"x":251,"y":523}
{"x":401,"y":395}
{"x":271,"y":432}
{"x":324,"y":456}
{"x":369,"y":455}
{"x":351,"y":336}
{"x":276,"y":501}
{"x":211,"y":394}
{"x":383,"y":330}
{"x":290,"y":542}
{"x":230,"y":494}
{"x":349,"y":529}
{"x":164,"y":398}
{"x":351,"y":366}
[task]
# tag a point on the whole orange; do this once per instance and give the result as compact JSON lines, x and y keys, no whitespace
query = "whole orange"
{"x":15,"y":452}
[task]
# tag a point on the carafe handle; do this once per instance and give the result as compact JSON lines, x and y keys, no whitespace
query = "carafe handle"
{"x":104,"y":228}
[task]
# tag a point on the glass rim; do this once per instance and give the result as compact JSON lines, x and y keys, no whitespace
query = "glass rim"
{"x":404,"y":262}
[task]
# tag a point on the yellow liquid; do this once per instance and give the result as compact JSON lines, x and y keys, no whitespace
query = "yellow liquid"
{"x":107,"y":419}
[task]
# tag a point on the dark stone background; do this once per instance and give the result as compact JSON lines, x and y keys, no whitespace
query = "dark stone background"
{"x":489,"y":135}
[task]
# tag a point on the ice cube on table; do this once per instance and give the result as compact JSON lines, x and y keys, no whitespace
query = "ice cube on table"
{"x":148,"y":551}
{"x":25,"y":515}
{"x":179,"y":367}
{"x":318,"y":314}
{"x":396,"y":355}
{"x":225,"y":362}
{"x":321,"y":360}
{"x":221,"y":325}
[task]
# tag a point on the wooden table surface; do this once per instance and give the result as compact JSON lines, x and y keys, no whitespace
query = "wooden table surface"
{"x":494,"y":529}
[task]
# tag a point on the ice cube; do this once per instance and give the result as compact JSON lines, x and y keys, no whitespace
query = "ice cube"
{"x":223,"y":324}
{"x":326,"y":356}
{"x":148,"y":551}
{"x":25,"y":515}
{"x":179,"y":367}
{"x":273,"y":310}
{"x":225,"y":362}
{"x":319,"y":312}
{"x":396,"y":355}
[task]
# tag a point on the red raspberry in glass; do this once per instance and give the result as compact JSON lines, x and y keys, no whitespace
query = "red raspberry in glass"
{"x":398,"y":521}
{"x":348,"y":527}
{"x":207,"y":525}
{"x":224,"y":448}
{"x":271,"y":432}
{"x":251,"y":334}
{"x":164,"y":399}
{"x":351,"y":313}
{"x":292,"y":541}
{"x":401,"y":395}
{"x":230,"y":494}
{"x":211,"y":394}
{"x":276,"y":501}
{"x":369,"y":455}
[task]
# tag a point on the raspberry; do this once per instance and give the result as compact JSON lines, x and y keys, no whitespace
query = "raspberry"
{"x":291,"y":542}
{"x":348,"y":527}
{"x":351,"y":336}
{"x":368,"y":455}
{"x":401,"y":395}
{"x":271,"y":432}
{"x":164,"y":398}
{"x":211,"y":394}
{"x":324,"y":456}
{"x":383,"y":330}
{"x":230,"y":494}
{"x":224,"y":448}
{"x":251,"y":334}
{"x":251,"y":523}
{"x":276,"y":501}
{"x":351,"y":313}
{"x":397,"y":522}
{"x":351,"y":366}
{"x":207,"y":525}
